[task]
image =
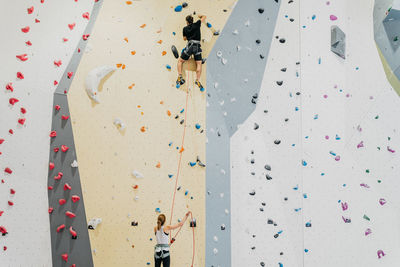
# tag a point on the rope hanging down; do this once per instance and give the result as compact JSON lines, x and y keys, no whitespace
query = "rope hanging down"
{"x":172,"y":239}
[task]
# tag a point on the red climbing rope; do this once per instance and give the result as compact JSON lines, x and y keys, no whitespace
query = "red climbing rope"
{"x":172,"y":239}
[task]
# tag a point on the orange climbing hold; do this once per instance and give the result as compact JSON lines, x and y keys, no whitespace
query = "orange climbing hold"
{"x":133,"y":52}
{"x":143,"y":129}
{"x":181,"y":150}
{"x":119,"y":65}
{"x":126,"y":39}
{"x":129,"y":2}
{"x":164,"y":53}
{"x":143,"y":25}
{"x":131,"y":86}
{"x":159,"y":42}
{"x":135,"y":186}
{"x":168,"y":113}
{"x":158,"y":165}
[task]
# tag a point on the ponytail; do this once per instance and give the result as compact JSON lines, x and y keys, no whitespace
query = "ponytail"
{"x":160,"y":221}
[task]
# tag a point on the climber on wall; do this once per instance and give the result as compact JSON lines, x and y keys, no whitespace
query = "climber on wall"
{"x":192,"y":34}
{"x":161,"y":250}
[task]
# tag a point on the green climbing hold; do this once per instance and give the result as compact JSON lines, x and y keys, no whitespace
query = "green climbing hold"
{"x":367,"y":170}
{"x":366,"y":217}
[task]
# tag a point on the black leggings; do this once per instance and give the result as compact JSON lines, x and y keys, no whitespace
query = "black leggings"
{"x":164,"y":261}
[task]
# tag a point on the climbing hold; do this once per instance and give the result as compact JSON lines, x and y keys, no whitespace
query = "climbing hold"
{"x":119,"y":124}
{"x":61,"y":227}
{"x":62,"y":201}
{"x":209,"y":25}
{"x":178,"y":8}
{"x":168,"y":67}
{"x":261,"y":10}
{"x":94,"y":78}
{"x":64,"y":148}
{"x":137,"y":174}
{"x":193,"y":223}
{"x":65,"y":257}
{"x":73,"y":233}
{"x":74,"y":164}
{"x":75,"y":198}
{"x":158,"y":210}
{"x":93,"y":223}
{"x":184,"y":4}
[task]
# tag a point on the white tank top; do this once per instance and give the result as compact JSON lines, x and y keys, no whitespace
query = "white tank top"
{"x":161,"y":237}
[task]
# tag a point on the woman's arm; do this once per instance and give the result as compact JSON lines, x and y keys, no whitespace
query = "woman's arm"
{"x":173,"y":227}
{"x":202,"y":18}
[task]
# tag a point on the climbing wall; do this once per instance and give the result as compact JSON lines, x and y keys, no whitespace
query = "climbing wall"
{"x":129,"y":144}
{"x":36,"y":36}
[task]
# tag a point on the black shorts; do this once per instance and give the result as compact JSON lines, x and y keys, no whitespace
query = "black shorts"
{"x":194,"y":50}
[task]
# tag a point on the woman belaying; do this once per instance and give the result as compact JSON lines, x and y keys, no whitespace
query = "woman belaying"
{"x":161,"y":250}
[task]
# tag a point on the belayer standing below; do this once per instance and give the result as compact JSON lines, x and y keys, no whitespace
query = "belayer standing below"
{"x":192,"y":34}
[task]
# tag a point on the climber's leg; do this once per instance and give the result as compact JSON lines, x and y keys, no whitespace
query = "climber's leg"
{"x":166,"y":262}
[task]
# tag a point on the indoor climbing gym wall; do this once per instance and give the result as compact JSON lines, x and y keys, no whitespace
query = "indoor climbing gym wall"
{"x":287,"y":158}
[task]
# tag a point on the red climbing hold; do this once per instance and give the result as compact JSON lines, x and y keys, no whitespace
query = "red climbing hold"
{"x":50,"y":187}
{"x":57,"y":107}
{"x":23,"y":110}
{"x":61,"y":227}
{"x":26,"y":29}
{"x":12,"y":101}
{"x":56,"y":149}
{"x":37,"y":21}
{"x":22,"y":57}
{"x":85,"y":36}
{"x":20,"y":75}
{"x":69,"y":74}
{"x":64,"y":148}
{"x":21,"y":121}
{"x":70,"y":214}
{"x":57,"y":63}
{"x":59,"y":176}
{"x":67,"y":187}
{"x":65,"y":257}
{"x":1,"y":212}
{"x":64,"y":117}
{"x":51,"y":210}
{"x":53,"y":134}
{"x":3,"y":230}
{"x":11,"y":131}
{"x":12,"y":191}
{"x":30,"y":10}
{"x":55,"y":82}
{"x":65,"y":40}
{"x":75,"y":198}
{"x":62,"y":201}
{"x":1,"y":141}
{"x":72,"y":232}
{"x":10,"y":203}
{"x":85,"y":15}
{"x":71,"y":26}
{"x":9,"y":87}
{"x":28,"y":43}
{"x":8,"y":170}
{"x":51,"y":165}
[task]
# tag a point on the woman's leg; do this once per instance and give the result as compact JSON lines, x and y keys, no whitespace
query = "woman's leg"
{"x":157,"y":262}
{"x":166,"y":262}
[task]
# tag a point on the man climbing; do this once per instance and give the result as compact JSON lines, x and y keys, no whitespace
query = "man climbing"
{"x":192,"y":34}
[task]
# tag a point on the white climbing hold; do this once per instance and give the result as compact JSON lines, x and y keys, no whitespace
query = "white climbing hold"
{"x":238,"y":48}
{"x":233,"y":99}
{"x":219,"y":54}
{"x":119,"y":123}
{"x":93,"y":223}
{"x":226,"y":211}
{"x":247,"y":23}
{"x":215,"y":85}
{"x":136,"y":198}
{"x":224,"y":61}
{"x":215,"y":238}
{"x":215,"y":250}
{"x":221,"y":103}
{"x":74,"y":164}
{"x":235,"y":32}
{"x":137,"y":174}
{"x":223,"y":171}
{"x":94,"y":78}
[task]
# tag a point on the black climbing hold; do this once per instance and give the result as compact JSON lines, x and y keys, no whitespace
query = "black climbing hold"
{"x":216,"y":33}
{"x":184,"y":4}
{"x":252,"y":152}
{"x":193,"y":223}
{"x":175,"y":51}
{"x":252,"y":193}
{"x":267,"y":167}
{"x":262,"y":263}
{"x":222,"y":227}
{"x":279,"y":83}
{"x":276,"y":235}
{"x":253,"y":248}
{"x":283,"y":69}
{"x":253,"y":173}
{"x":291,"y":20}
{"x":282,"y":40}
{"x":225,"y":10}
{"x":277,"y":1}
{"x":286,"y":199}
{"x":268,"y":177}
{"x":194,"y":12}
{"x":252,"y":161}
{"x":265,"y":111}
{"x":182,"y":121}
{"x":261,"y":10}
{"x":281,"y":253}
{"x":256,"y":126}
{"x":277,"y":142}
{"x":177,"y":116}
{"x":134,"y":223}
{"x":290,"y":1}
{"x":297,"y":93}
{"x":270,"y":221}
{"x":286,"y":119}
{"x":261,"y":209}
{"x":261,"y":56}
{"x":253,"y":236}
{"x":297,"y":63}
{"x":258,"y":41}
{"x":263,"y":204}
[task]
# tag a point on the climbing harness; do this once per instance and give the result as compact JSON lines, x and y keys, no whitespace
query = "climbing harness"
{"x":189,"y":46}
{"x":172,"y":239}
{"x":160,"y":252}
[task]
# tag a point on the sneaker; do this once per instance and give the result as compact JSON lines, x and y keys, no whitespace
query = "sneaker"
{"x":199,"y":85}
{"x":180,"y":81}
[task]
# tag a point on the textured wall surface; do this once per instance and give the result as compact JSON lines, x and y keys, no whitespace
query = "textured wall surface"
{"x":26,"y":151}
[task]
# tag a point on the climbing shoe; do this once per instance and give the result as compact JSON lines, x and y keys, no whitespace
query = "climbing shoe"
{"x":180,"y":81}
{"x":197,"y":82}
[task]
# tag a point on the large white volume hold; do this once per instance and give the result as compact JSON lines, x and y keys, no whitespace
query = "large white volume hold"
{"x":93,"y":80}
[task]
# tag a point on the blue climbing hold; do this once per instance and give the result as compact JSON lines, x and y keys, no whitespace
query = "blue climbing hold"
{"x":182,"y":110}
{"x":174,"y":33}
{"x":158,"y":210}
{"x":168,"y":67}
{"x":209,"y":25}
{"x":304,"y":163}
{"x":170,"y":144}
{"x":192,"y":164}
{"x":170,"y":175}
{"x":178,"y":8}
{"x":280,"y":264}
{"x":186,"y":192}
{"x":197,"y":126}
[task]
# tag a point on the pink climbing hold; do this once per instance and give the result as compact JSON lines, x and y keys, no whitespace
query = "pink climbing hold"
{"x":59,"y":176}
{"x":69,"y":75}
{"x":61,"y":227}
{"x":51,"y":209}
{"x":72,"y":232}
{"x":333,"y":17}
{"x":21,"y":121}
{"x":368,"y":231}
{"x":382,"y":201}
{"x":75,"y":198}
{"x":361,"y":144}
{"x":30,"y":10}
{"x":23,"y":110}
{"x":64,"y":117}
{"x":8,"y":170}
{"x":380,"y":253}
{"x":71,"y":26}
{"x":345,"y":206}
{"x":390,"y":150}
{"x":28,"y":43}
{"x":57,"y":63}
{"x":12,"y":191}
{"x":337,"y":158}
{"x":65,"y":257}
{"x":70,"y":214}
{"x":85,"y":36}
{"x":20,"y":75}
{"x":26,"y":29}
{"x":57,"y":107}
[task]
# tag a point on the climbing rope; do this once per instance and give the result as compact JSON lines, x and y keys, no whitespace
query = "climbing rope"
{"x":172,"y":239}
